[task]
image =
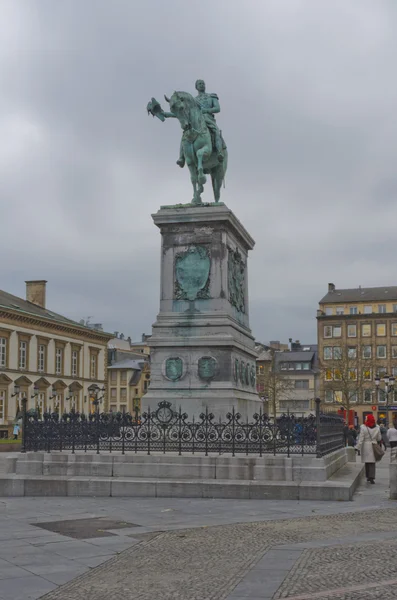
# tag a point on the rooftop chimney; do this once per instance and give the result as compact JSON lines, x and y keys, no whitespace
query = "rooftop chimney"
{"x":331,"y":287}
{"x":35,"y":292}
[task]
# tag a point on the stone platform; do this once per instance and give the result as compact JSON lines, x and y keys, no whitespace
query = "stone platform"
{"x":168,"y":476}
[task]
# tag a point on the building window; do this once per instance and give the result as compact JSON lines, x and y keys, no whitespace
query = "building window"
{"x":93,"y":366}
{"x":353,"y":310}
{"x":123,"y":393}
{"x":380,"y":351}
{"x":41,"y":358}
{"x":75,"y":363}
{"x":394,"y":372}
{"x":382,"y":371}
{"x":113,"y":408}
{"x":328,"y":311}
{"x":381,"y":308}
{"x":380,"y":329}
{"x":367,"y":351}
{"x":352,"y":352}
{"x":123,"y":377}
{"x":3,"y":352}
{"x":284,"y":366}
{"x":353,"y":374}
{"x":146,"y":384}
{"x":337,"y":331}
{"x":366,"y":330}
{"x":328,"y":375}
{"x":394,"y":351}
{"x":329,"y":396}
{"x":394,"y":308}
{"x":337,"y":375}
{"x":338,"y":396}
{"x":367,"y":396}
{"x":113,"y":375}
{"x":2,"y":404}
{"x":298,"y":366}
{"x":368,"y":309}
{"x":327,"y":352}
{"x":340,"y":310}
{"x":300,"y":384}
{"x":353,"y":398}
{"x":58,"y":361}
{"x":367,"y":374}
{"x":23,"y":348}
{"x":306,"y":366}
{"x":328,"y":331}
{"x":352,"y":331}
{"x":113,"y":393}
{"x":337,"y":352}
{"x":394,"y":329}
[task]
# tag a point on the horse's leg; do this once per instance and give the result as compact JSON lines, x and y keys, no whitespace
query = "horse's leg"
{"x":191,"y":163}
{"x":216,"y":177}
{"x":202,"y":148}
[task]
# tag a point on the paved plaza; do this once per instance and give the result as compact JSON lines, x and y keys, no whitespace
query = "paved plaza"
{"x":179,"y":549}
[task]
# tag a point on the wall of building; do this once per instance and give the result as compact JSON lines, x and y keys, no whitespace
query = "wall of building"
{"x":91,"y":366}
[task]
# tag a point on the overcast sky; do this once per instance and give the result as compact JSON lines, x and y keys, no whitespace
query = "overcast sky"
{"x":308,"y":95}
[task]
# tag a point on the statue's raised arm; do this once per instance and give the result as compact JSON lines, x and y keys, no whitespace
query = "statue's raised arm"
{"x":202,"y":145}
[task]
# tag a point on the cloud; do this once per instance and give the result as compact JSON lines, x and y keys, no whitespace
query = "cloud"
{"x":308,"y":98}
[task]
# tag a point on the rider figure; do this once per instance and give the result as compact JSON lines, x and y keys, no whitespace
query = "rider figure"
{"x":209,"y":104}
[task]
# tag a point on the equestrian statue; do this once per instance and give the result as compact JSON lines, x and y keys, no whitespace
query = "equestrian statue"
{"x":202,"y":146}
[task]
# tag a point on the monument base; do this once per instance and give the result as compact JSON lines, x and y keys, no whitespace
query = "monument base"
{"x":202,"y":350}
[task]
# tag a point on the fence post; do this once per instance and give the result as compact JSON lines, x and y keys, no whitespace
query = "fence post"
{"x":318,"y":426}
{"x":24,"y":402}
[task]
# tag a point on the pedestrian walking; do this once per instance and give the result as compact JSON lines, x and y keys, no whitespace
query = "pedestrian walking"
{"x":383,"y":432}
{"x":351,"y":436}
{"x":369,"y":435}
{"x":392,"y":437}
{"x":16,"y":431}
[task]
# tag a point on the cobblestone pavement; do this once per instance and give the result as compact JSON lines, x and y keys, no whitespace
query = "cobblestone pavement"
{"x":209,"y":563}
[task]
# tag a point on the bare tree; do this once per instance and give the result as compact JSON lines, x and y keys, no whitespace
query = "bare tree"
{"x":347,"y":372}
{"x":275,"y":384}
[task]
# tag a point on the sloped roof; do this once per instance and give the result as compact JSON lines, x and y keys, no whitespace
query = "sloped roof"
{"x":14,"y":303}
{"x":128,"y":364}
{"x":372,"y":294}
{"x":300,"y":356}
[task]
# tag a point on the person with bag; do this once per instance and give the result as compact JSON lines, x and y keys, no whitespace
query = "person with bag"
{"x":368,"y":446}
{"x":392,"y":437}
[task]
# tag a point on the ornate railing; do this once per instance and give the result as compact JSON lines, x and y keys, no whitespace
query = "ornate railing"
{"x":165,"y":430}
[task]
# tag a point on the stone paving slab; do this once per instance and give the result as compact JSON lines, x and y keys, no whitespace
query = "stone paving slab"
{"x":180,"y":517}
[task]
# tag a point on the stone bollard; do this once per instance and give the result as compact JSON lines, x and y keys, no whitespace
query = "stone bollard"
{"x":393,"y":480}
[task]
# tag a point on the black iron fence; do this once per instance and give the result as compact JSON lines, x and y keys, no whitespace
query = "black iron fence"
{"x":165,"y":430}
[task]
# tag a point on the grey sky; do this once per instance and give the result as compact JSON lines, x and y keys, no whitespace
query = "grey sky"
{"x":308,"y":102}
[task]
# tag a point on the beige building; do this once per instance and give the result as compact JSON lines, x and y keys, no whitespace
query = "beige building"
{"x":357,"y":338}
{"x":128,"y":381}
{"x":46,"y":358}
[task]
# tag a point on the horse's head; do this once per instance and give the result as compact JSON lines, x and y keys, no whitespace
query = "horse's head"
{"x":180,"y":105}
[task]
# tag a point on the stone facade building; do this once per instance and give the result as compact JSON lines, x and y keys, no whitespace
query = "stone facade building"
{"x":290,"y":376}
{"x":128,"y":382}
{"x":46,"y":358}
{"x":357,"y":339}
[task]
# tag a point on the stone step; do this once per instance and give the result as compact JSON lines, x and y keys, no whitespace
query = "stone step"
{"x":340,"y":487}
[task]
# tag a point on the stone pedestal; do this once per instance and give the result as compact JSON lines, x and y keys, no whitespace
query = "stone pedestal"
{"x":202,"y":349}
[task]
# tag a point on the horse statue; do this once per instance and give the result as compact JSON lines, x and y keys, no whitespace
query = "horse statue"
{"x":198,"y":147}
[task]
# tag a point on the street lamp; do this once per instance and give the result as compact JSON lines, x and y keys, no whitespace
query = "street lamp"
{"x":17,"y":389}
{"x":388,"y":389}
{"x":35,"y":392}
{"x":94,"y":390}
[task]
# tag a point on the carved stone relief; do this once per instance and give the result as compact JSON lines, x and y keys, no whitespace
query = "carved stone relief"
{"x":174,"y":368}
{"x":236,"y":279}
{"x":192,"y":274}
{"x":207,"y":367}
